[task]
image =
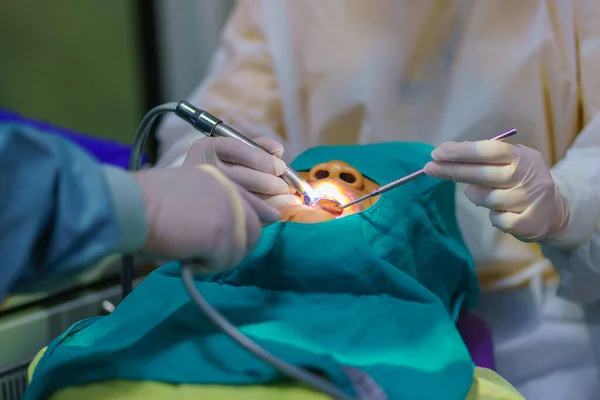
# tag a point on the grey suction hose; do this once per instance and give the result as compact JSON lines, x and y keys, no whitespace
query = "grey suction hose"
{"x":299,"y":374}
{"x":148,"y":123}
{"x":312,"y":380}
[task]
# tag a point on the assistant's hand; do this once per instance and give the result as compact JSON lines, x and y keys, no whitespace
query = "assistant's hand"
{"x":251,"y":168}
{"x":196,"y":212}
{"x":513,"y":181}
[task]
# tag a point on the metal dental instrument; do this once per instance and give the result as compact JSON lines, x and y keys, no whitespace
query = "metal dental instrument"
{"x":413,"y":176}
{"x":213,"y":126}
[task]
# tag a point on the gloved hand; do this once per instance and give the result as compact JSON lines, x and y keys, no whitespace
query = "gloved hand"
{"x":196,"y":212}
{"x":513,"y":181}
{"x":251,"y":168}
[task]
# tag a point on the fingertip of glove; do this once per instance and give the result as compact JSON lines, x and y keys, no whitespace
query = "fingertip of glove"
{"x":273,"y":146}
{"x":280,"y":166}
{"x":277,"y":149}
{"x":429,"y":168}
{"x":445,"y":151}
{"x":282,"y":201}
{"x":272,"y":216}
{"x":447,"y":147}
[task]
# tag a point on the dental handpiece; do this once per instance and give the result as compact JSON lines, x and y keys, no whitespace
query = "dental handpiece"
{"x":413,"y":176}
{"x":212,"y":126}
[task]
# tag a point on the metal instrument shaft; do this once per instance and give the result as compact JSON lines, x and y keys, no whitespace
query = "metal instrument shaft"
{"x":212,"y":126}
{"x":414,"y":175}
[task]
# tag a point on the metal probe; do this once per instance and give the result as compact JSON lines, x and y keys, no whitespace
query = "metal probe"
{"x":212,"y":126}
{"x":413,"y":176}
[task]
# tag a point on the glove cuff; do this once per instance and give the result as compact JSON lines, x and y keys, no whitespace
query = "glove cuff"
{"x":128,"y":202}
{"x":581,"y":217}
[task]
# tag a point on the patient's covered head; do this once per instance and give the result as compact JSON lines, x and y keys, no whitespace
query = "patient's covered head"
{"x":335,"y":180}
{"x":410,"y":232}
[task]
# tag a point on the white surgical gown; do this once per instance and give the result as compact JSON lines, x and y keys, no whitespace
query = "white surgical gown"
{"x":60,"y":210}
{"x":315,"y":72}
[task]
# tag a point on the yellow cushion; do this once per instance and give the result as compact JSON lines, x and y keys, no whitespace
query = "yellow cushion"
{"x":487,"y":385}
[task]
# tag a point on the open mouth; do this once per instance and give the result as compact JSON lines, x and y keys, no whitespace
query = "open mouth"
{"x":335,"y":194}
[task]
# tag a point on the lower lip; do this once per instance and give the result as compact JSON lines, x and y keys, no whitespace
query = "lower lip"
{"x":331,"y":206}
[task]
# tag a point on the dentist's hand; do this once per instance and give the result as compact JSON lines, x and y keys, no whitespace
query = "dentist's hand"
{"x":196,"y":212}
{"x":513,"y":181}
{"x":251,"y":168}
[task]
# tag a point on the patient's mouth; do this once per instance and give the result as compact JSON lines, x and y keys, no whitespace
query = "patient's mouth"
{"x":335,"y":194}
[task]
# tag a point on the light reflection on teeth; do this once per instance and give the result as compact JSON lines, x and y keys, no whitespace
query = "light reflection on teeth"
{"x":332,"y":191}
{"x":335,"y":191}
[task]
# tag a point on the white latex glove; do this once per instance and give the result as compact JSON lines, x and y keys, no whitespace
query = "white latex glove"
{"x":513,"y":181}
{"x":197,"y":213}
{"x":251,"y":168}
